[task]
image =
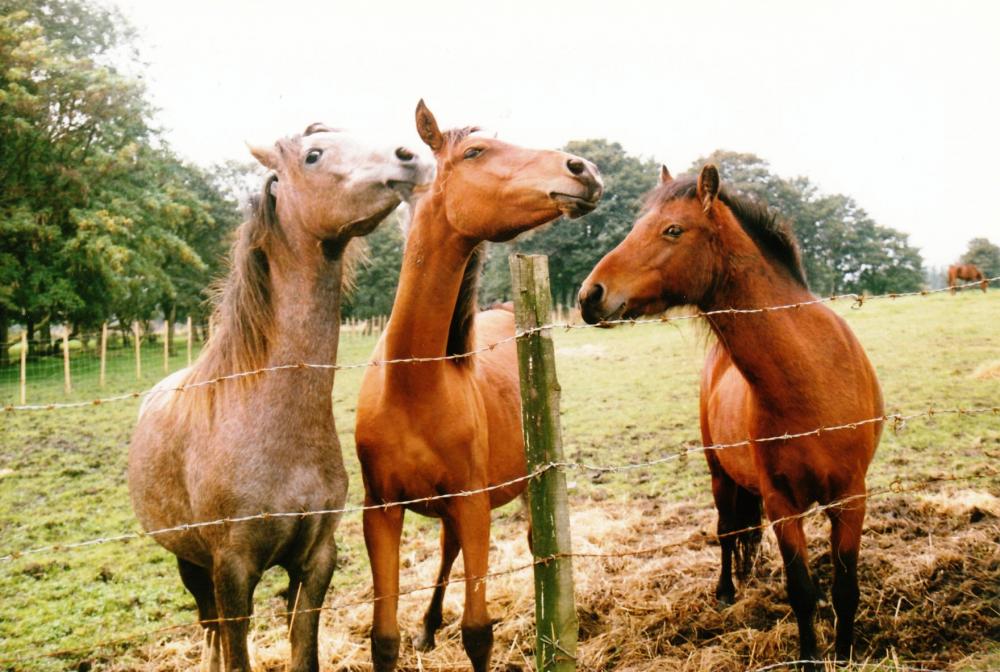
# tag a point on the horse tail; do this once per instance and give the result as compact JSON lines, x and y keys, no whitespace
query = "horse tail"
{"x":747,"y":525}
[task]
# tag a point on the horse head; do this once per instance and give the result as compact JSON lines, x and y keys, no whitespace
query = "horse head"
{"x":493,"y":190}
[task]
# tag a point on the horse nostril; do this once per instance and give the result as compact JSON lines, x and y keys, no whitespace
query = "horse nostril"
{"x":592,"y":295}
{"x":576,"y":166}
{"x":403,"y":154}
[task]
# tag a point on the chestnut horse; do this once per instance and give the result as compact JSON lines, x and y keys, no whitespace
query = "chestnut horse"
{"x":967,"y":272}
{"x":431,"y":428}
{"x":768,"y":374}
{"x":268,"y":442}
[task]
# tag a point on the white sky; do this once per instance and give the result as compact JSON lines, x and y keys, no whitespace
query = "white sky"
{"x":894,"y":103}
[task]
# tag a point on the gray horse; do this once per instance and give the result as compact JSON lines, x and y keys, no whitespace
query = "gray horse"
{"x":267,"y":443}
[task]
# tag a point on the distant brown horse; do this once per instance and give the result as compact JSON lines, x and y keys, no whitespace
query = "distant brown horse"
{"x":451,"y":426}
{"x":267,"y":443}
{"x":767,"y":374}
{"x":967,"y":272}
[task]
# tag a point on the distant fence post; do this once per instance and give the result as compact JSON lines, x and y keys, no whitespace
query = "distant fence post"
{"x":138,"y":351}
{"x":556,"y":622}
{"x":24,"y":368}
{"x":104,"y":353}
{"x":67,"y":382}
{"x":190,"y":337}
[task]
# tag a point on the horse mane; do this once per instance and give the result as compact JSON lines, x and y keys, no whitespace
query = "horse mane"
{"x":463,"y":318}
{"x":455,"y":135}
{"x":771,"y":233}
{"x":243,"y":319}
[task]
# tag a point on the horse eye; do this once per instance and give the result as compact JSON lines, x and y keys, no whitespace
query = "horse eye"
{"x":472,"y":152}
{"x":313,"y":155}
{"x":673,"y":231}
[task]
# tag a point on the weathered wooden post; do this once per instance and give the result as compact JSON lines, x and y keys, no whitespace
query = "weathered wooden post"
{"x":138,"y":351}
{"x":555,"y":611}
{"x":24,"y":368}
{"x":67,"y":383}
{"x":190,"y":339}
{"x":104,"y":353}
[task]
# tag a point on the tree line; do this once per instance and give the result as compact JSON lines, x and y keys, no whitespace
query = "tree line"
{"x":100,"y":220}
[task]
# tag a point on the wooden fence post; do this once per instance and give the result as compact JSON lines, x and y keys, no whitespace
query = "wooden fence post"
{"x":104,"y":353}
{"x":555,"y":611}
{"x":190,"y":338}
{"x":138,"y":351}
{"x":24,"y":368}
{"x":67,"y":382}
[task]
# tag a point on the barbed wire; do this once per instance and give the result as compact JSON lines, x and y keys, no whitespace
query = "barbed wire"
{"x":858,"y":301}
{"x":897,"y":420}
{"x":897,"y":487}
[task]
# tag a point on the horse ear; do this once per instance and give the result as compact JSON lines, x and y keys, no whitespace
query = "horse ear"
{"x":266,"y":156}
{"x":708,"y":186}
{"x":665,"y":175}
{"x":427,"y":127}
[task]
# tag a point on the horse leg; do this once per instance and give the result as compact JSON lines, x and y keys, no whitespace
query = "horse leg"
{"x":738,"y":529}
{"x":845,"y":541}
{"x":383,"y":527}
{"x":198,"y":581}
{"x":983,"y":285}
{"x":432,"y":619}
{"x":235,"y":579}
{"x":794,"y":553}
{"x":307,"y":586}
{"x":471,"y":519}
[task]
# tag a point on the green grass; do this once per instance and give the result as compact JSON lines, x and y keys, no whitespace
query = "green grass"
{"x":629,"y":394}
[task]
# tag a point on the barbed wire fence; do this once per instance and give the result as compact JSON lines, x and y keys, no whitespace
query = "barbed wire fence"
{"x":895,"y":421}
{"x":897,"y":487}
{"x":855,"y":300}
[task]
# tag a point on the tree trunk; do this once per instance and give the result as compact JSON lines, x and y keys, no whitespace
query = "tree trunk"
{"x":171,"y":315}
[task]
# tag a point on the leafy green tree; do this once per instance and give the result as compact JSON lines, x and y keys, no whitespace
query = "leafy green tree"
{"x":985,"y":255}
{"x":376,"y":279}
{"x":843,"y":249}
{"x":97,"y":217}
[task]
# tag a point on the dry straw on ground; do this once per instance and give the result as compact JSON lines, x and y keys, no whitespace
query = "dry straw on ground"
{"x":930,"y":576}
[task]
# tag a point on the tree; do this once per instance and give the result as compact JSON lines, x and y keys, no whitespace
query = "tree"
{"x":843,"y":249}
{"x":97,"y":217}
{"x":985,"y":255}
{"x":376,"y":279}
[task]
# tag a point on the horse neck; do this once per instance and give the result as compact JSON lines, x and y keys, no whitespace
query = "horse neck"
{"x":306,"y":294}
{"x":431,"y":278}
{"x":771,"y":349}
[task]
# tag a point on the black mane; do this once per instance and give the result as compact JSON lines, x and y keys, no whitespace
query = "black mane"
{"x":772,"y":234}
{"x":460,"y":331}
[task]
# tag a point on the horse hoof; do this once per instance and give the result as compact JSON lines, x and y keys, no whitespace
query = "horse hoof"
{"x":424,"y":642}
{"x":725,"y":597}
{"x":385,"y":653}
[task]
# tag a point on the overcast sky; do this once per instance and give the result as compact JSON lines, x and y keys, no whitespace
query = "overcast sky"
{"x":893,"y":103}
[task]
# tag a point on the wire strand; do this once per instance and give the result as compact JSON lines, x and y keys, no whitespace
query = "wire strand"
{"x":858,"y":299}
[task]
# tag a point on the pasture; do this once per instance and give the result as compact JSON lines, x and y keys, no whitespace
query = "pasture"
{"x":930,"y":560}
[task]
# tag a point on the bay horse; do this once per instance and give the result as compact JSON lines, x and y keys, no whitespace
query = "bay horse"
{"x":767,"y":374}
{"x":967,"y":272}
{"x":431,"y":428}
{"x":267,"y":443}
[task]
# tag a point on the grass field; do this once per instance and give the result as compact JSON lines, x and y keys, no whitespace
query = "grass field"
{"x":629,"y":394}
